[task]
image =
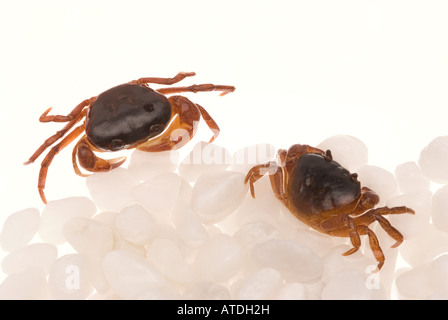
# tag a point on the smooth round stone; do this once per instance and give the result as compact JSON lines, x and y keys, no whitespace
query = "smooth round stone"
{"x":437,"y":296}
{"x":244,"y":159}
{"x":19,"y":228}
{"x":217,"y":194}
{"x":255,"y":232}
{"x":166,"y":256}
{"x":265,"y":207}
{"x":410,"y":178}
{"x":424,"y":247}
{"x":347,"y":150}
{"x":415,"y":283}
{"x":292,"y":291}
{"x":347,"y":285}
{"x":260,"y":285}
{"x":33,"y":255}
{"x":318,"y":242}
{"x":111,"y":191}
{"x":438,"y":274}
{"x":439,"y":209}
{"x":96,"y":274}
{"x":30,"y":284}
{"x":106,"y":218}
{"x":56,"y":214}
{"x":434,"y":158}
{"x":135,"y":224}
{"x":335,"y":262}
{"x":68,"y":278}
{"x":88,"y":236}
{"x":144,"y":165}
{"x":204,"y":290}
{"x":314,"y":290}
{"x":219,"y":259}
{"x":411,"y":225}
{"x":379,"y":180}
{"x":204,"y":157}
{"x":132,"y":277}
{"x":188,"y":226}
{"x":295,"y":262}
{"x":160,"y":193}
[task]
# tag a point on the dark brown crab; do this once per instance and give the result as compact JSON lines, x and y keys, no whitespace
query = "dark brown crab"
{"x":327,"y":197}
{"x":127,"y":116}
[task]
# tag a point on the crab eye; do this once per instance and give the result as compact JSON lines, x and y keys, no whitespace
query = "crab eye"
{"x":156,"y":129}
{"x":149,"y":107}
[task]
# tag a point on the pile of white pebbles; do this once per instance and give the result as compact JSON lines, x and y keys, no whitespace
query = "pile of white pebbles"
{"x":172,"y":228}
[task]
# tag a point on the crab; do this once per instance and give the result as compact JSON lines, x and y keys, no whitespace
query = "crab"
{"x":127,"y":116}
{"x":327,"y":197}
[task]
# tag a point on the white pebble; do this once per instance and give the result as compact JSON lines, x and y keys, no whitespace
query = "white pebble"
{"x":135,"y":224}
{"x":347,"y":150}
{"x":144,"y":165}
{"x":33,"y":255}
{"x":19,"y":228}
{"x":296,"y":262}
{"x":96,"y":274}
{"x":314,"y":289}
{"x":318,"y":242}
{"x":111,"y":191}
{"x":438,"y":274}
{"x":434,"y":160}
{"x":160,"y":193}
{"x":188,"y":226}
{"x":415,"y":283}
{"x":217,"y":194}
{"x":132,"y":277}
{"x":265,"y":207}
{"x":108,"y":219}
{"x":88,"y":236}
{"x":437,"y":296}
{"x":166,"y":256}
{"x":292,"y":291}
{"x":261,"y":285}
{"x":410,"y":178}
{"x":425,"y":246}
{"x":219,"y":259}
{"x":255,"y":232}
{"x":439,"y":209}
{"x":204,"y":290}
{"x":347,"y":285}
{"x":335,"y":262}
{"x":68,"y":278}
{"x":244,"y":159}
{"x":57,"y":212}
{"x":204,"y":157}
{"x":379,"y":180}
{"x":411,"y":225}
{"x":27,"y":285}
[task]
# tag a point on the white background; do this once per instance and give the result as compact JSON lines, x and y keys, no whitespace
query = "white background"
{"x":304,"y":71}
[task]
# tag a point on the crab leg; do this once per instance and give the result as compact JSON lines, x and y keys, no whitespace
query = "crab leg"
{"x":197,"y":88}
{"x":72,"y":118}
{"x":210,"y":122}
{"x":167,"y":81}
{"x":51,"y":154}
{"x":89,"y":161}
